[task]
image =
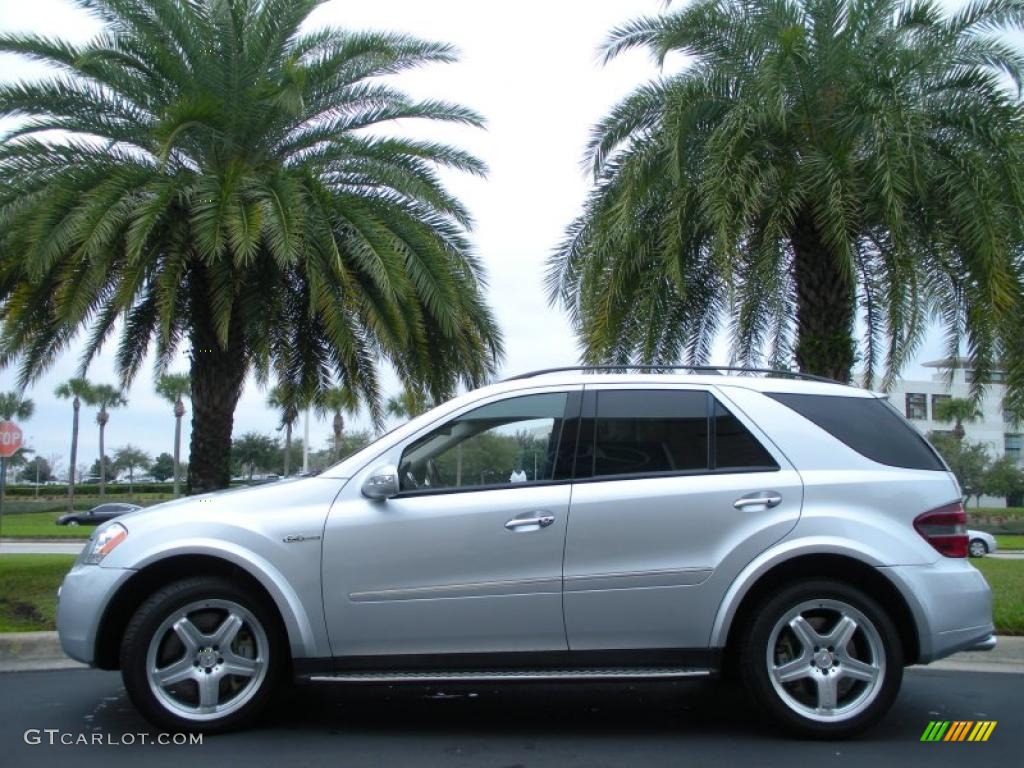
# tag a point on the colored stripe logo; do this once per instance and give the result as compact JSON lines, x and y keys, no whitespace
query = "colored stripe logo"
{"x":958,"y":730}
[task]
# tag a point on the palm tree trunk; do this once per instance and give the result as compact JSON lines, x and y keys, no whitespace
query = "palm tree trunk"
{"x":103,"y":468}
{"x":76,"y":404}
{"x":217,"y":376}
{"x":177,"y":453}
{"x":339,"y":427}
{"x":287,"y":447}
{"x":825,"y":304}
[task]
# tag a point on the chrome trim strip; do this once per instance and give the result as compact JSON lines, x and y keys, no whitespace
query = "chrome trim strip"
{"x":675,"y":577}
{"x":473,"y":589}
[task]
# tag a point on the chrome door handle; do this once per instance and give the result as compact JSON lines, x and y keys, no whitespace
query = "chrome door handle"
{"x":540,"y":521}
{"x":766,"y":499}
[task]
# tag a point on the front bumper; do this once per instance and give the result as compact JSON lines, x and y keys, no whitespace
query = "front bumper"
{"x":81,"y":602}
{"x":951,"y":603}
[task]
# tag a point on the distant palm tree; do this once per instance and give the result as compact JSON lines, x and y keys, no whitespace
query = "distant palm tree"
{"x":338,"y":401}
{"x":815,"y":166}
{"x":284,"y":399}
{"x":76,"y":390}
{"x":174,"y":388}
{"x":409,"y":404}
{"x":222,"y":180}
{"x":14,"y":406}
{"x":107,"y":398}
{"x":958,"y":410}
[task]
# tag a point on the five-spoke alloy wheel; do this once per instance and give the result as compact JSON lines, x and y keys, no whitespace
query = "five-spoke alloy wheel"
{"x":201,"y":654}
{"x":823,"y":658}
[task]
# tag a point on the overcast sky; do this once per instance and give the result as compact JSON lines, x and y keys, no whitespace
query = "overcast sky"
{"x":531,"y":69}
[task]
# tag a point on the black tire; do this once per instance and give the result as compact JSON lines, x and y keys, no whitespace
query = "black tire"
{"x":818,"y":600}
{"x":977,"y":548}
{"x":161,"y":607}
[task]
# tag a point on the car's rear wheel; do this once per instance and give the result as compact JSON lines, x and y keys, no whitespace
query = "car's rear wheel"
{"x":977,"y":548}
{"x":823,"y":659}
{"x":72,"y":522}
{"x":202,"y":655}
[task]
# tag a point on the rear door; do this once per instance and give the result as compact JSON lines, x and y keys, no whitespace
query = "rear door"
{"x":674,"y":493}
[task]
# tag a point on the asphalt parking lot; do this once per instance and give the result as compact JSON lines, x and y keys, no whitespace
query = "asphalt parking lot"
{"x":671,"y":724}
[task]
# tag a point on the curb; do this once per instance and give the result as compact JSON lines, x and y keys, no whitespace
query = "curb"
{"x":23,"y":651}
{"x":30,"y":651}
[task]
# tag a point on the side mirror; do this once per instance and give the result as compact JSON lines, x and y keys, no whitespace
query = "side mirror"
{"x":382,"y":483}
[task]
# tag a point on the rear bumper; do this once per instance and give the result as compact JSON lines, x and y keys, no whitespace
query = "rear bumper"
{"x":951,"y":603}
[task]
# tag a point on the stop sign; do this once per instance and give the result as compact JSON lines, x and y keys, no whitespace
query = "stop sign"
{"x":10,"y":439}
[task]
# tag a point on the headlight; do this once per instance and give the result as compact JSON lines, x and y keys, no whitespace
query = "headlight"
{"x":103,"y":543}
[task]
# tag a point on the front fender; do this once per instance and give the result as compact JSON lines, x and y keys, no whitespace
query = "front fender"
{"x":306,"y":635}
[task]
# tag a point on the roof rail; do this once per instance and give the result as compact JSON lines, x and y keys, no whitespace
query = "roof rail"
{"x":712,"y":369}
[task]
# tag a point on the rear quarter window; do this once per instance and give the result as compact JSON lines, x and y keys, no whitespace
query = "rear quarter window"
{"x":867,"y":425}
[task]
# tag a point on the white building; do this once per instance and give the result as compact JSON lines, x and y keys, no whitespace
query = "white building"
{"x":917,"y":399}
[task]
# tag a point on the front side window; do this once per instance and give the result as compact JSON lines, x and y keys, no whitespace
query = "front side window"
{"x":510,"y":442}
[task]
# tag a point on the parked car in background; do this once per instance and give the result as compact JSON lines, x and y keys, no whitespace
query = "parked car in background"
{"x":980,"y":543}
{"x":97,"y":515}
{"x":560,"y":526}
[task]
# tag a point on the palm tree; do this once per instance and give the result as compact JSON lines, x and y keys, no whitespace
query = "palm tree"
{"x":958,"y":410}
{"x":106,"y":398}
{"x":813,"y":162}
{"x":285,"y":400}
{"x":409,"y":403}
{"x":174,"y":388}
{"x":76,"y":390}
{"x":14,"y":406}
{"x":221,"y":183}
{"x":338,"y":401}
{"x":131,"y":458}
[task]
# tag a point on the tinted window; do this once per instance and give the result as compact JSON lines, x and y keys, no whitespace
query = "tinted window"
{"x":647,"y":432}
{"x":867,"y":425}
{"x":509,"y":442}
{"x":735,"y":447}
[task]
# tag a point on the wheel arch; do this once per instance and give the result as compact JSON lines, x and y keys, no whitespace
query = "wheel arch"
{"x":734,"y":615}
{"x":158,"y":573}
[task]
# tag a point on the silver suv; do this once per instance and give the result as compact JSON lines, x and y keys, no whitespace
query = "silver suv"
{"x":564,"y":525}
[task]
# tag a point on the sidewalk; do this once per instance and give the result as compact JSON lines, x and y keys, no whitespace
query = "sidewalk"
{"x":26,"y":651}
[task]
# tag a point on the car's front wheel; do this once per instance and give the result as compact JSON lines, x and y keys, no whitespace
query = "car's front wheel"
{"x":977,"y":548}
{"x":823,"y":658}
{"x":202,"y":654}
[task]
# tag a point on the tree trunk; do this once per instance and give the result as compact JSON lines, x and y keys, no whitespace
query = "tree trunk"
{"x":217,"y":377}
{"x":825,"y":304}
{"x":339,"y":427}
{"x":101,"y":419}
{"x":287,"y":448}
{"x":76,"y":404}
{"x":177,"y":450}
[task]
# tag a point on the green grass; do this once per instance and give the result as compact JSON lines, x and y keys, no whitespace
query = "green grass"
{"x":59,"y":504}
{"x":41,"y":525}
{"x":1015,"y":512}
{"x":1006,"y":577}
{"x":28,"y":600}
{"x":1008,"y":541}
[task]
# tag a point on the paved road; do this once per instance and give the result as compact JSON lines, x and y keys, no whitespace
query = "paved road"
{"x":671,"y":724}
{"x":15,"y":547}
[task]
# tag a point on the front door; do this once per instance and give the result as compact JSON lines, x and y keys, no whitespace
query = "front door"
{"x":468,"y":557}
{"x":674,"y":495}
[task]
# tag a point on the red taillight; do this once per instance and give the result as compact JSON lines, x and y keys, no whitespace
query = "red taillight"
{"x":945,"y":529}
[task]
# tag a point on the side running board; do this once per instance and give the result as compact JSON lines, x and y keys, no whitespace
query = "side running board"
{"x":505,"y":675}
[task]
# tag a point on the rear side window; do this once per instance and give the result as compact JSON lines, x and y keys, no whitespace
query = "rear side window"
{"x":867,"y":425}
{"x":650,"y":432}
{"x":735,"y":447}
{"x":653,"y":432}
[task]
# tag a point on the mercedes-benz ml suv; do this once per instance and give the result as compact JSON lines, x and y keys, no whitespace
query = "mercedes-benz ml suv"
{"x":559,"y":526}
